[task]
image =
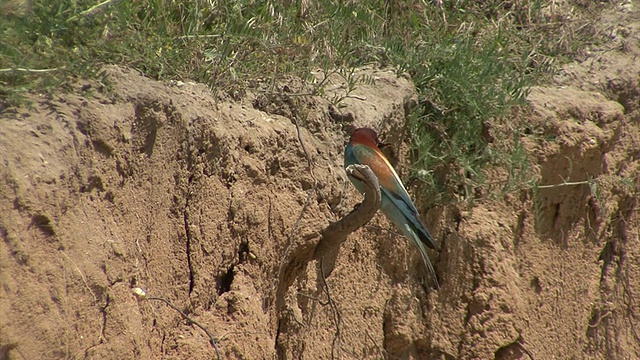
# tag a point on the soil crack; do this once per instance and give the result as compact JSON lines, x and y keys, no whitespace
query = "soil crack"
{"x":188,"y":234}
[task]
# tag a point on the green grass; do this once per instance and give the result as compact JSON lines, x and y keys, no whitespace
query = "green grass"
{"x":472,"y":61}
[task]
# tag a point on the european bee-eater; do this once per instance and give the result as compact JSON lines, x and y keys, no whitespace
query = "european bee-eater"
{"x":395,"y":203}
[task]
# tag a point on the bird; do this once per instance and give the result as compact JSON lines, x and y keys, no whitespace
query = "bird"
{"x":364,"y":148}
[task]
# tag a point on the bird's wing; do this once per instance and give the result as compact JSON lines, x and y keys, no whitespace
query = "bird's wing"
{"x":392,"y":187}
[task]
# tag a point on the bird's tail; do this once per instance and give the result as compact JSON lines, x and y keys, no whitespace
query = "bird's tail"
{"x":424,"y":235}
{"x":427,"y":262}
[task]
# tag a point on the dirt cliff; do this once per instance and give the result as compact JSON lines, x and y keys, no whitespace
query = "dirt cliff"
{"x":213,"y":203}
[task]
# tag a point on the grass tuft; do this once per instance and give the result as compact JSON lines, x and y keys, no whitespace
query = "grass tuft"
{"x":471,"y":61}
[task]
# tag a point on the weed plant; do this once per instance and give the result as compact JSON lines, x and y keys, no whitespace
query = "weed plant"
{"x":471,"y":61}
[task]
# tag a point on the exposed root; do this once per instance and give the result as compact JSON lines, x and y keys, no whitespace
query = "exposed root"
{"x":142,"y":295}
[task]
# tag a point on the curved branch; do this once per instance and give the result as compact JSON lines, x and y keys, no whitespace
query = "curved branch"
{"x":335,"y":234}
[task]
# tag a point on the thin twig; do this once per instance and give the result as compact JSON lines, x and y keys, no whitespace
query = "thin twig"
{"x":307,"y":201}
{"x":212,"y":340}
{"x":313,"y":298}
{"x":566,"y":183}
{"x":383,"y":352}
{"x":597,"y":322}
{"x":197,"y":36}
{"x":314,"y":189}
{"x":337,"y":319}
{"x":304,"y":149}
{"x":526,"y":351}
{"x":92,"y":10}
{"x":31,"y":71}
{"x":84,"y":278}
{"x":294,"y":228}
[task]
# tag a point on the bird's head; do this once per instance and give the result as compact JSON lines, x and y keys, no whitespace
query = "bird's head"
{"x":366,"y":136}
